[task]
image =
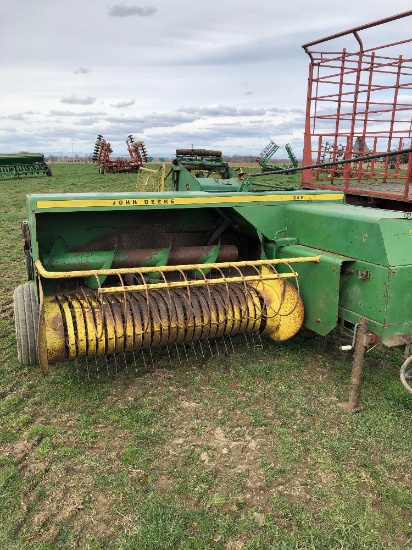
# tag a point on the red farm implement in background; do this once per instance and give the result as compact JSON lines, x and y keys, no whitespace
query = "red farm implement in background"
{"x":102,"y":151}
{"x":359,"y":104}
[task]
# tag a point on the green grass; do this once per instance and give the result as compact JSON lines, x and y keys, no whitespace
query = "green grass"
{"x":241,"y":451}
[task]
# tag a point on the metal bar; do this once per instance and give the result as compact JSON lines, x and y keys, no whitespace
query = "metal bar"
{"x":198,"y":282}
{"x":360,"y":344}
{"x":169,"y":268}
{"x":356,"y":29}
{"x":345,"y":161}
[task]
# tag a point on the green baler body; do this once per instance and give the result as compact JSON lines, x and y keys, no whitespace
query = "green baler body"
{"x":365,"y":266}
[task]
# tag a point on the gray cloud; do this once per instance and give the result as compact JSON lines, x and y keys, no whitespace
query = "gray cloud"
{"x":82,"y":70}
{"x":16,"y":116}
{"x":222,"y":110}
{"x":121,"y":10}
{"x":74,"y":100}
{"x":125,"y":103}
{"x":54,"y":112}
{"x":86,"y":121}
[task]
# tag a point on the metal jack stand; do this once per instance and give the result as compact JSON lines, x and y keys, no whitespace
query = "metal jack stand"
{"x":360,"y":343}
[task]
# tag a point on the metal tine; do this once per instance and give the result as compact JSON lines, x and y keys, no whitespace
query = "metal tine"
{"x":231,"y":343}
{"x":97,"y":366}
{"x":125,"y":362}
{"x":144,"y":360}
{"x":115,"y":362}
{"x":204,"y":323}
{"x":210,"y":348}
{"x":246,"y":340}
{"x":224,"y":343}
{"x":201,"y":348}
{"x":257,"y":346}
{"x":151,"y":358}
{"x":246,"y":291}
{"x":77,"y":371}
{"x":107,"y":365}
{"x":168,"y":354}
{"x":178,"y":354}
{"x":185,"y":350}
{"x":87,"y":369}
{"x":193,"y":347}
{"x":134,"y":361}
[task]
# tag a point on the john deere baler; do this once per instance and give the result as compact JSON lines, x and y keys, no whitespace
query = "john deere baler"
{"x":112,"y":273}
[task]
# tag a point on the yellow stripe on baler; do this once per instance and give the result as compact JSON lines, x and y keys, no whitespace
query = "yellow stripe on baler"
{"x":181,"y":201}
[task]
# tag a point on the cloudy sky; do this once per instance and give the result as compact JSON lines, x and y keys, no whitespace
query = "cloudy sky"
{"x":222,"y":74}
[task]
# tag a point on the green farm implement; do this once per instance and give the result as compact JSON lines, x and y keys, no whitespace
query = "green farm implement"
{"x":203,"y":162}
{"x":22,"y":164}
{"x":269,"y":151}
{"x":227,"y":253}
{"x":114,"y":273}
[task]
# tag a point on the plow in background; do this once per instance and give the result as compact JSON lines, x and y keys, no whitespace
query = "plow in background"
{"x":102,"y":151}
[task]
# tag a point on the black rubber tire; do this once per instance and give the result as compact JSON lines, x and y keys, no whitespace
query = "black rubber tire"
{"x":26,"y":316}
{"x":48,"y":171}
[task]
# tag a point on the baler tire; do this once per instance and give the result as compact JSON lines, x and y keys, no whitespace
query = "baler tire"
{"x":48,"y":171}
{"x":405,"y":376}
{"x":26,"y":316}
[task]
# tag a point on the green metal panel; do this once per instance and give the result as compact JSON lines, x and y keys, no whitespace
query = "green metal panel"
{"x":151,"y":201}
{"x":365,"y":289}
{"x":377,"y":236}
{"x":21,"y":158}
{"x":383,"y":295}
{"x":319,"y":285}
{"x":212,"y":185}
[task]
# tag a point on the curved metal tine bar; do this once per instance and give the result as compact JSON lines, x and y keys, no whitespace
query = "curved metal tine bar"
{"x":124,"y":299}
{"x":268,"y":306}
{"x":146,"y":290}
{"x":190,"y":304}
{"x":205,"y":305}
{"x":245,"y":287}
{"x":224,"y":319}
{"x":171,"y":307}
{"x":208,"y":287}
{"x":92,"y":320}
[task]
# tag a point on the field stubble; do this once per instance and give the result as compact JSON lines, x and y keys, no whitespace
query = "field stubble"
{"x":240,"y":451}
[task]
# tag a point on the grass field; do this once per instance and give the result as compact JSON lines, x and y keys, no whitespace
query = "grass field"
{"x":247,"y":450}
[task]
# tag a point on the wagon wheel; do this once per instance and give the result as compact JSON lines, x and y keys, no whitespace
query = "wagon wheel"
{"x":26,"y":316}
{"x":406,"y":374}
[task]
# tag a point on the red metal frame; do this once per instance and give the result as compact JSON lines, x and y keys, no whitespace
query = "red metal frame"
{"x":102,"y":151}
{"x":355,"y":106}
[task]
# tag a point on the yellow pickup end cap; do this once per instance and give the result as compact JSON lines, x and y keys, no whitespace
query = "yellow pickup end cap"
{"x":284,"y":308}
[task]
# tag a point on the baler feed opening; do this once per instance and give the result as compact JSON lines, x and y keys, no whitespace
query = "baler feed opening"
{"x":182,"y":305}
